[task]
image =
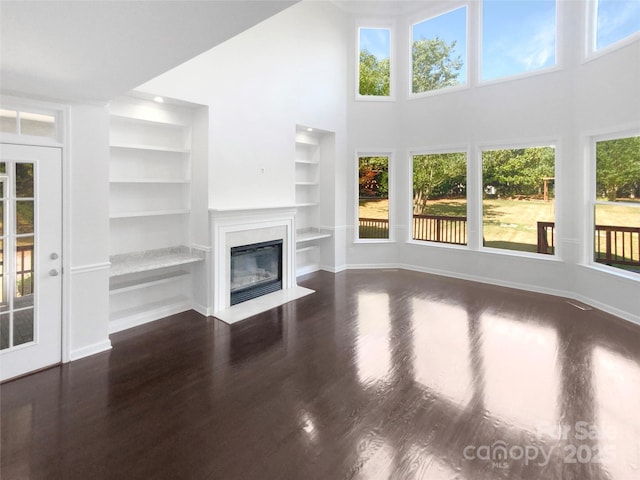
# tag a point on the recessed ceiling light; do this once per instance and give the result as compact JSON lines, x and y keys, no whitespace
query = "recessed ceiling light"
{"x":309,"y":129}
{"x":158,"y":99}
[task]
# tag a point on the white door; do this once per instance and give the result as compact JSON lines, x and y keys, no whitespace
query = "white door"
{"x":30,"y":258}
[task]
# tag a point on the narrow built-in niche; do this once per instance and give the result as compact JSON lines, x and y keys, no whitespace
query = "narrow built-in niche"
{"x":312,"y":147}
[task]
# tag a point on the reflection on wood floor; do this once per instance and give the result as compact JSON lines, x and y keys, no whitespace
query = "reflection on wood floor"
{"x":378,"y":375}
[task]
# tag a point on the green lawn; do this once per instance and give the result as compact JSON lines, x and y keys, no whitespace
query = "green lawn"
{"x":510,"y":224}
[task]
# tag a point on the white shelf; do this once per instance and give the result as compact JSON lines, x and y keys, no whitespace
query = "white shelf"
{"x":306,"y":249}
{"x":307,"y":184}
{"x":121,"y":285}
{"x":153,"y":148}
{"x":137,"y":262}
{"x":311,"y":235}
{"x":151,"y":213}
{"x":307,"y":141}
{"x":150,"y":180}
{"x":144,"y":121}
{"x":302,"y":205}
{"x":307,"y":162}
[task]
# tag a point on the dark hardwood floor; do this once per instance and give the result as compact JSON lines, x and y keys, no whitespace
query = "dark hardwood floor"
{"x":378,"y":375}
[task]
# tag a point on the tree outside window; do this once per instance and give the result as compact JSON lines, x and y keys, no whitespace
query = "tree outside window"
{"x":518,"y":210}
{"x":617,"y":203}
{"x":373,"y":197}
{"x":374,"y":78}
{"x":440,"y":198}
{"x":439,"y":51}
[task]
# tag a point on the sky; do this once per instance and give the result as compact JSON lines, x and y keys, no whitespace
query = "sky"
{"x":518,"y":35}
{"x":616,"y":20}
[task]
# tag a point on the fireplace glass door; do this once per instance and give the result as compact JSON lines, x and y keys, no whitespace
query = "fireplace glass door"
{"x":256,"y":270}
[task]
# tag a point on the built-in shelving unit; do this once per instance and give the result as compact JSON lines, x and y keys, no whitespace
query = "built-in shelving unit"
{"x":150,"y":209}
{"x":309,"y":235}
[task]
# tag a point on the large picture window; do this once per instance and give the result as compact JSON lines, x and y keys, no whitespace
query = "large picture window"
{"x":439,"y":52}
{"x":373,"y":197}
{"x":517,"y":37}
{"x":374,"y":62}
{"x":518,"y":210}
{"x":440,"y":198}
{"x":615,"y":20}
{"x":617,"y":203}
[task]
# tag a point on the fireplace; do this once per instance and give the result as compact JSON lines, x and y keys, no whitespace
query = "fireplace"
{"x":231,"y":231}
{"x":256,"y":270}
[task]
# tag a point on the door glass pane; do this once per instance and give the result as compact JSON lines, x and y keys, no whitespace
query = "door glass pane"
{"x":24,"y":180}
{"x":24,"y":272}
{"x":24,"y":216}
{"x":22,"y":326}
{"x":8,"y":121}
{"x":37,"y":124}
{"x":4,"y":331}
{"x":3,"y":168}
{"x":1,"y":215}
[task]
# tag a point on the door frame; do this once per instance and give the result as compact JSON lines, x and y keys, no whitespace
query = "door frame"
{"x":62,"y":114}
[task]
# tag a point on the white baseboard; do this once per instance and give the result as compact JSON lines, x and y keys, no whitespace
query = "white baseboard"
{"x":201,"y":309}
{"x":489,"y":281}
{"x":330,"y":269}
{"x":307,"y":269}
{"x":629,"y":317}
{"x":90,"y":350}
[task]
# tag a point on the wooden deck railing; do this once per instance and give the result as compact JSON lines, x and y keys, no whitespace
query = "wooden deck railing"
{"x":24,"y":271}
{"x":373,"y":228}
{"x":430,"y":228}
{"x":440,"y":228}
{"x":617,"y":245}
{"x":546,"y":238}
{"x":613,"y":245}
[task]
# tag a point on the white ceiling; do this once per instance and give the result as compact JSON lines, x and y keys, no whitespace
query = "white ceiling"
{"x":93,"y":50}
{"x":382,"y":8}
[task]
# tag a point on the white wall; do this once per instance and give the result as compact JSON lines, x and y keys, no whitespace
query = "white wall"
{"x":89,"y":224}
{"x":287,"y":70}
{"x":562,"y":106}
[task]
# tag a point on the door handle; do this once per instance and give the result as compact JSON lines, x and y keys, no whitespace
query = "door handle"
{"x":54,"y":273}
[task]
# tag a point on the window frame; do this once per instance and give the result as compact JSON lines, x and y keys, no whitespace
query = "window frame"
{"x":390,"y":154}
{"x":416,"y":19}
{"x":466,"y":149}
{"x":591,"y":201}
{"x":380,"y":25}
{"x":22,"y":107}
{"x":554,"y":143}
{"x":591,"y":35}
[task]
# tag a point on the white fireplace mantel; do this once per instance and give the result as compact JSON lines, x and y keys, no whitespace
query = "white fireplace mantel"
{"x":243,"y":226}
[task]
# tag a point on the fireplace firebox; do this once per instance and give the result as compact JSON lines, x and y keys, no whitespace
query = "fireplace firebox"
{"x":256,"y":270}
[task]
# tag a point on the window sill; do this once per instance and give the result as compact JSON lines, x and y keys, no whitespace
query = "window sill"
{"x":424,"y":243}
{"x":525,"y":255}
{"x":370,"y":241}
{"x":439,"y":91}
{"x":616,"y":272}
